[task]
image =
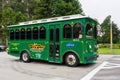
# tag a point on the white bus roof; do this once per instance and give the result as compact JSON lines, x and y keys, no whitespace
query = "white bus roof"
{"x":50,"y":20}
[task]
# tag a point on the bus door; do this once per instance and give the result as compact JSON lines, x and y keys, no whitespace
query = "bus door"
{"x":54,"y":50}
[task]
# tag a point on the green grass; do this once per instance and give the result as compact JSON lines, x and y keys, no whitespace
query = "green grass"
{"x":107,"y":51}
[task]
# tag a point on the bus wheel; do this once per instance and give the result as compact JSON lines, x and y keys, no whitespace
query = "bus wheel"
{"x":25,"y":57}
{"x":71,"y":60}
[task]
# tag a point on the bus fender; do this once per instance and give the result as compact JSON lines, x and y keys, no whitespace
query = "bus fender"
{"x":24,"y":51}
{"x":67,"y":52}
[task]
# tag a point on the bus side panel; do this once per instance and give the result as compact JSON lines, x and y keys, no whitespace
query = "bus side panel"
{"x":36,"y":49}
{"x":14,"y":48}
{"x":75,"y":46}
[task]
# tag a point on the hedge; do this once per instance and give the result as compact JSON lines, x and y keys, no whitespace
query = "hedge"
{"x":114,"y":46}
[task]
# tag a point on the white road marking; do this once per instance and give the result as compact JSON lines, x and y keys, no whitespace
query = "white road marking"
{"x":118,"y":59}
{"x":93,"y":72}
{"x":111,"y":66}
{"x":104,"y":65}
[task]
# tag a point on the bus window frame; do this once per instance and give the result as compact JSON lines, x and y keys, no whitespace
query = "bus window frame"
{"x":29,"y":35}
{"x":43,"y":37}
{"x":12,"y":35}
{"x":64,"y":32}
{"x":79,"y":33}
{"x":86,"y":30}
{"x":34,"y":36}
{"x":17,"y":34}
{"x":21,"y":34}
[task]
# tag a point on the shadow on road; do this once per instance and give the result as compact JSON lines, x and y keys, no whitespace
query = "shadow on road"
{"x":54,"y":64}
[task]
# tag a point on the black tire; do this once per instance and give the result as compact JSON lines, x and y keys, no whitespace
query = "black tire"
{"x":71,"y":60}
{"x":25,"y":57}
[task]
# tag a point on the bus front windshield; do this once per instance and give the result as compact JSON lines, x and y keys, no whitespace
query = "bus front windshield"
{"x":91,"y":31}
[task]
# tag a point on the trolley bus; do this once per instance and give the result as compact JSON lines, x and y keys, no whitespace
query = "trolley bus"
{"x":71,"y":39}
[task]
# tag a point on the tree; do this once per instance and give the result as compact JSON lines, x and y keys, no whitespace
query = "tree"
{"x":0,"y":21}
{"x":105,"y":27}
{"x":7,"y":16}
{"x":10,"y":17}
{"x":39,"y":9}
{"x":116,"y":33}
{"x":55,"y":8}
{"x":0,"y":12}
{"x":15,"y":11}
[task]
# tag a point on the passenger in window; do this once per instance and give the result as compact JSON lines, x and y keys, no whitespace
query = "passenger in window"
{"x":80,"y":34}
{"x":77,"y":30}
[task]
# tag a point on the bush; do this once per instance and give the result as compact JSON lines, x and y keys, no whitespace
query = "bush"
{"x":114,"y":46}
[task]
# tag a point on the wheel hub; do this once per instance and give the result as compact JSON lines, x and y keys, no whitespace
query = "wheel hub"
{"x":71,"y":59}
{"x":25,"y":57}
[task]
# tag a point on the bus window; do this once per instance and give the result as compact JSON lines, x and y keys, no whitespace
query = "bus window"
{"x":51,"y":35}
{"x":77,"y":30}
{"x":95,"y":32}
{"x":57,"y":35}
{"x":22,"y":34}
{"x":17,"y":35}
{"x":67,"y":31}
{"x":12,"y":35}
{"x":89,"y":31}
{"x":42,"y":33}
{"x":35,"y":33}
{"x":29,"y":33}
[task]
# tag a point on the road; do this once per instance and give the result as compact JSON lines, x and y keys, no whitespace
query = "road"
{"x":13,"y":69}
{"x":110,"y":70}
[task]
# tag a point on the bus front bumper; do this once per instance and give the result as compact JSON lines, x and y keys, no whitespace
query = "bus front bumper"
{"x":88,"y":58}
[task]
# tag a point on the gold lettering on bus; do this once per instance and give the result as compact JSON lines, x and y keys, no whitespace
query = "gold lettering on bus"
{"x":15,"y":44}
{"x":36,"y":47}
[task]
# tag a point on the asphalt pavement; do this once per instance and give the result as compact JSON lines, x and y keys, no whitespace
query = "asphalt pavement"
{"x":105,"y":68}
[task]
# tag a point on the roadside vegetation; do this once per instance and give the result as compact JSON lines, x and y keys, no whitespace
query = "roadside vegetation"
{"x":108,"y":51}
{"x":104,"y":40}
{"x":105,"y":49}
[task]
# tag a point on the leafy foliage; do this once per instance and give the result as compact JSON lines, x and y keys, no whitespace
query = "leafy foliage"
{"x":21,"y":10}
{"x":105,"y":27}
{"x":54,"y":8}
{"x":15,"y":11}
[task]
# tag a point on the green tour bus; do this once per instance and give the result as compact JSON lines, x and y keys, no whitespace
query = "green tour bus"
{"x":71,"y":39}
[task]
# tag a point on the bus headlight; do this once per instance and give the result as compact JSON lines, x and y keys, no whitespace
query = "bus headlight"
{"x":89,"y":49}
{"x":90,"y":46}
